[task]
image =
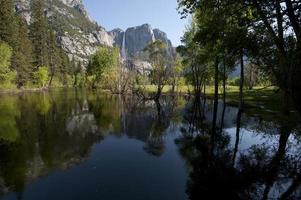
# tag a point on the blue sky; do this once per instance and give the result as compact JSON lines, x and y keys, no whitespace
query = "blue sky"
{"x":122,"y":14}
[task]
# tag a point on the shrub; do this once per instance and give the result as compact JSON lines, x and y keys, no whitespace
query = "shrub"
{"x":7,"y":75}
{"x":41,"y":76}
{"x":234,"y":81}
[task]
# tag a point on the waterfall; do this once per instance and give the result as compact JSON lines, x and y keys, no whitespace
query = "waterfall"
{"x":123,"y":49}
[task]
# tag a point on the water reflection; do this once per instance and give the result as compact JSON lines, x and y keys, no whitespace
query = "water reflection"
{"x":240,"y":157}
{"x":43,"y":132}
{"x":248,"y":160}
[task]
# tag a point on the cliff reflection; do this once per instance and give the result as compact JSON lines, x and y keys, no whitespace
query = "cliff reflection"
{"x":42,"y":132}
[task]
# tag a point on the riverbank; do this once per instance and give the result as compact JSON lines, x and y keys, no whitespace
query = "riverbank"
{"x":17,"y":91}
{"x":260,"y":101}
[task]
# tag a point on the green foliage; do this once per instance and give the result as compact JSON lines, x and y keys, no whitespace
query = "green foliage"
{"x":5,"y":58}
{"x":41,"y":76}
{"x":118,"y":80}
{"x":39,"y":34}
{"x":196,"y":59}
{"x":234,"y":82}
{"x":7,"y":76}
{"x":37,"y":45}
{"x":23,"y":55}
{"x":157,"y":57}
{"x":267,"y":32}
{"x":103,"y":59}
{"x":8,"y":22}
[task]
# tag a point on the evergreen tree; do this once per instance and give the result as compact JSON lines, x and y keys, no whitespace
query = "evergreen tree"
{"x":39,"y":34}
{"x":23,"y":54}
{"x":7,"y":22}
{"x":55,"y":60}
{"x":65,"y":67}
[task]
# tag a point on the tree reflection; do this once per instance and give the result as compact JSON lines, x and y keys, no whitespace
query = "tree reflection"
{"x":154,"y":144}
{"x":47,"y":139}
{"x":238,"y":125}
{"x":8,"y":116}
{"x":261,"y":172}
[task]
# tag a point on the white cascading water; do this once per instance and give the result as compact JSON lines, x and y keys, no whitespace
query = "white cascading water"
{"x":123,"y":50}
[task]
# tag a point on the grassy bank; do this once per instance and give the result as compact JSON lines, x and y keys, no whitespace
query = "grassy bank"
{"x":260,"y":101}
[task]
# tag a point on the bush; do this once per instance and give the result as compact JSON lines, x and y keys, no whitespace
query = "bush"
{"x":41,"y":76}
{"x":103,"y":59}
{"x":234,"y":81}
{"x":7,"y":75}
{"x":118,"y":80}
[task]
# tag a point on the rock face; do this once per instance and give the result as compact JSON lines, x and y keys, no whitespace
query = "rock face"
{"x":77,"y":34}
{"x":160,"y":35}
{"x":135,"y":39}
{"x":80,"y":37}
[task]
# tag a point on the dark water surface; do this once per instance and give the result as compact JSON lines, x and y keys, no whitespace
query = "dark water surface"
{"x":73,"y":144}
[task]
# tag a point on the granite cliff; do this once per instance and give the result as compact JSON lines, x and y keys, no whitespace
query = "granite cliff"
{"x":79,"y":36}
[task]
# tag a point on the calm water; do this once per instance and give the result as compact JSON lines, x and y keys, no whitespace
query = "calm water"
{"x":70,"y":144}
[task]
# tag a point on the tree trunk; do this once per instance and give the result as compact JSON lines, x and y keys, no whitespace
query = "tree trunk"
{"x":224,"y":95}
{"x":159,"y":91}
{"x":241,"y":84}
{"x":238,"y":125}
{"x":274,"y":166}
{"x":240,"y":106}
{"x":285,"y":101}
{"x":224,"y":83}
{"x":215,"y":103}
{"x":296,"y":83}
{"x":75,"y":80}
{"x":50,"y":81}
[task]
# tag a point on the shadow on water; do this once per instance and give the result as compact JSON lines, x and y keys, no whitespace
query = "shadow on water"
{"x":248,"y":159}
{"x":192,"y":148}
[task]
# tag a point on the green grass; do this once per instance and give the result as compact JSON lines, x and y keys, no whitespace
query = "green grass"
{"x":265,"y":102}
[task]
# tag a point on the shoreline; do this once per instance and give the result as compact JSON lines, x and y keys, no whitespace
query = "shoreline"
{"x":18,"y":91}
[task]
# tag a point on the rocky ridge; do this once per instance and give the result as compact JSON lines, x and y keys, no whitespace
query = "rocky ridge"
{"x":80,"y":36}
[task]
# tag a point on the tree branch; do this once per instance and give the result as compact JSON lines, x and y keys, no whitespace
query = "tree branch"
{"x":293,"y":19}
{"x":279,"y":43}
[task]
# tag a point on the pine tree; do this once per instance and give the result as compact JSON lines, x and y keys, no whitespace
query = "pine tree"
{"x":39,"y":34}
{"x":65,"y":67}
{"x":7,"y":22}
{"x":53,"y":54}
{"x":23,"y":55}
